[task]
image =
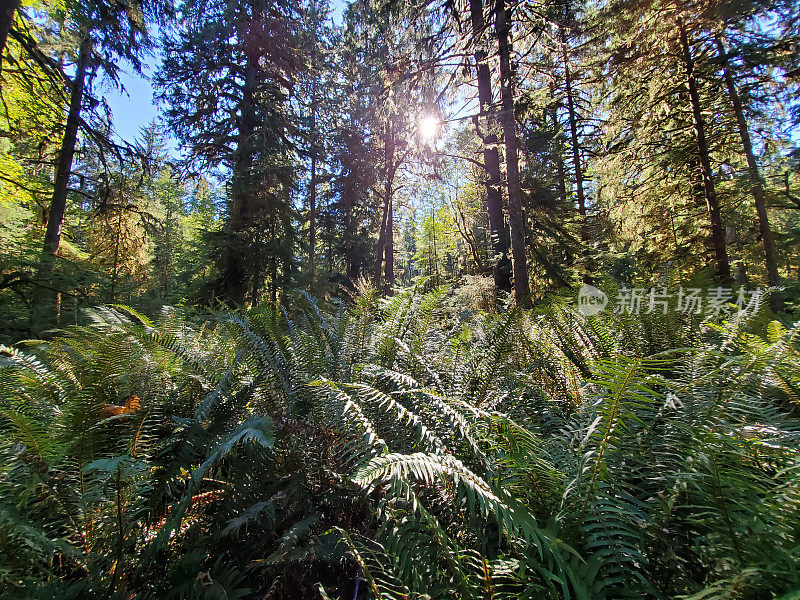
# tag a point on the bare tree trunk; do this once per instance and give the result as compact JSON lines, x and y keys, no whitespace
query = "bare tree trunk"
{"x":312,"y":193}
{"x":712,"y":202}
{"x":491,"y":155}
{"x":55,"y":216}
{"x":380,"y":250}
{"x":756,"y":187}
{"x":522,"y":290}
{"x":312,"y":185}
{"x":47,"y":297}
{"x":389,"y":152}
{"x":8,"y":9}
{"x":559,"y":159}
{"x":576,"y":149}
{"x":241,"y":213}
{"x":389,"y":271}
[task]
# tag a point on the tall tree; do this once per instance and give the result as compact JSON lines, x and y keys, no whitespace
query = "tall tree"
{"x":486,"y":128}
{"x":756,"y":185}
{"x":55,"y":216}
{"x":8,"y":9}
{"x":396,"y":151}
{"x":658,"y":131}
{"x":226,"y":77}
{"x":104,"y":36}
{"x":395,"y":100}
{"x":572,"y":116}
{"x":318,"y":109}
{"x":704,"y":156}
{"x":522,"y":291}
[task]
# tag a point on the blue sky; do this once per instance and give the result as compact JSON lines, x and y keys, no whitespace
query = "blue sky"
{"x":133,"y":108}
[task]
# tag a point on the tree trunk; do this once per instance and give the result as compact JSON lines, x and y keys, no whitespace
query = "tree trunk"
{"x":312,"y":191}
{"x":559,"y":153}
{"x":55,"y":216}
{"x":576,"y":149}
{"x":47,"y":297}
{"x":312,"y":185}
{"x":714,"y":213}
{"x":8,"y":9}
{"x":387,"y":200}
{"x":241,"y":213}
{"x":389,"y":271}
{"x":352,"y":258}
{"x":756,"y":187}
{"x":522,"y":291}
{"x":112,"y":296}
{"x":235,"y":280}
{"x":491,"y":155}
{"x":380,"y":249}
{"x":168,"y":244}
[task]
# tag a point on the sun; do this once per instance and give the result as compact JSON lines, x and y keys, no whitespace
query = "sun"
{"x":429,"y":127}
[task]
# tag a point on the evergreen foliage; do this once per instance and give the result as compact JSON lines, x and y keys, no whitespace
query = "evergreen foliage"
{"x":402,"y":448}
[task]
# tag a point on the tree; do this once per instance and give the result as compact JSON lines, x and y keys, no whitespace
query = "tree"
{"x":757,"y":188}
{"x":103,"y":35}
{"x":8,"y":9}
{"x":572,"y":117}
{"x":226,"y":77}
{"x":318,"y":107}
{"x":703,"y":152}
{"x":486,"y":129}
{"x":522,"y":291}
{"x":657,"y":132}
{"x":394,"y":100}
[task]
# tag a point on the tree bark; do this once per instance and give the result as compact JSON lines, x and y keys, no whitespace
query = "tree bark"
{"x":241,"y":213}
{"x":576,"y":149}
{"x":376,"y":279}
{"x":55,"y":216}
{"x":235,"y":279}
{"x":712,"y":202}
{"x":522,"y":291}
{"x":491,"y":155}
{"x":312,"y":185}
{"x":389,"y":152}
{"x":389,"y":270}
{"x":8,"y":9}
{"x":312,"y":190}
{"x":559,"y":151}
{"x":46,"y":302}
{"x":756,"y":186}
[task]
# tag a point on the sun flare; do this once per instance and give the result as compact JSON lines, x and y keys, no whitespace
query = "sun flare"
{"x":429,"y":127}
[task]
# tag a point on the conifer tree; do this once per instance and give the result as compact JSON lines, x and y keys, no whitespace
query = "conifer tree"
{"x":516,"y":220}
{"x":226,"y":78}
{"x":486,"y":127}
{"x":103,"y":36}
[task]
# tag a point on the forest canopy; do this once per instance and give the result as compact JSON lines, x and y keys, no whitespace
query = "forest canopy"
{"x":475,"y":299}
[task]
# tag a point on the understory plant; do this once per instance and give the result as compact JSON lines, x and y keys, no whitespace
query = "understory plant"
{"x":401,"y":447}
